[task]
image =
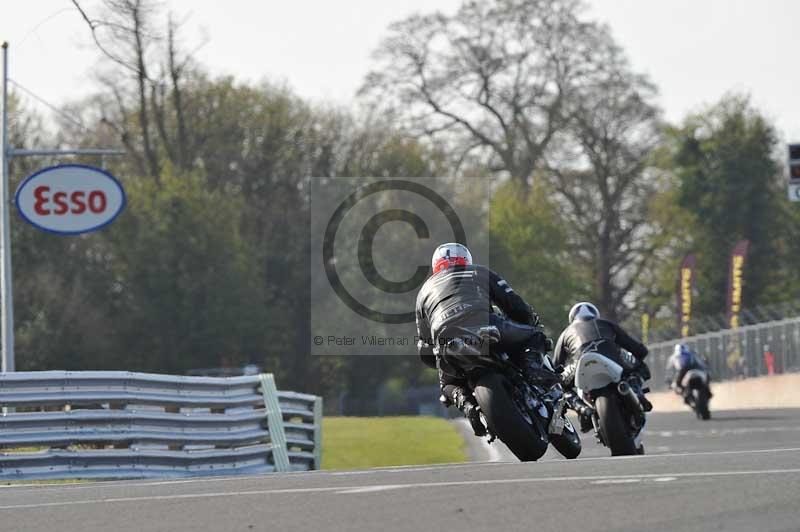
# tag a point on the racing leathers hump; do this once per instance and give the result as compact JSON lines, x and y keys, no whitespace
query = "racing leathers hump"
{"x":598,"y":336}
{"x":463,"y":295}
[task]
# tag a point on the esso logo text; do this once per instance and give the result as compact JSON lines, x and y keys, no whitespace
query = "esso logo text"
{"x":70,"y":199}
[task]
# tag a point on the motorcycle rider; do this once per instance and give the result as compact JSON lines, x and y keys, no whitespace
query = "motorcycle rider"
{"x":679,"y":364}
{"x":459,"y":296}
{"x":589,"y":333}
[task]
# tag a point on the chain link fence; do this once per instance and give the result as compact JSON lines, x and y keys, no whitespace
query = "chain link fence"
{"x":749,"y":351}
{"x":663,"y":327}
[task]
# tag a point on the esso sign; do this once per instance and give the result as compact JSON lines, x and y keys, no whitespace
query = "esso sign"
{"x":70,"y":199}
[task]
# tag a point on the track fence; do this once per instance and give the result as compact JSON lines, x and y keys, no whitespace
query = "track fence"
{"x":749,"y":351}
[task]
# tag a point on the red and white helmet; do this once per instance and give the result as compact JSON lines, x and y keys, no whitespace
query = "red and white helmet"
{"x":449,"y":255}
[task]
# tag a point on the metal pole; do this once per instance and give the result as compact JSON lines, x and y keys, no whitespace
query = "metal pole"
{"x":6,"y":296}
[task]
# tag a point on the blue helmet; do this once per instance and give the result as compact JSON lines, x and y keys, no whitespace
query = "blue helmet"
{"x":683,"y":353}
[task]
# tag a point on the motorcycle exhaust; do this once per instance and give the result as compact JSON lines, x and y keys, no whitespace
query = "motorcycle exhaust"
{"x":629,"y":396}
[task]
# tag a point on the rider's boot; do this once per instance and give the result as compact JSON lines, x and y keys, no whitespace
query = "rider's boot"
{"x":584,"y":413}
{"x":687,"y":396}
{"x":647,"y":406}
{"x":465,"y":402}
{"x":585,"y":418}
{"x":643,"y":372}
{"x":586,"y":422}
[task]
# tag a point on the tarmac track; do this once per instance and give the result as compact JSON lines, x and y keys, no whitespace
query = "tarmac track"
{"x":738,"y":472}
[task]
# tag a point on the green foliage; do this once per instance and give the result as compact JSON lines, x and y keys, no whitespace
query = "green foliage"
{"x":358,"y":443}
{"x":184,"y":292}
{"x":170,"y":286}
{"x":527,"y":245}
{"x":728,"y":180}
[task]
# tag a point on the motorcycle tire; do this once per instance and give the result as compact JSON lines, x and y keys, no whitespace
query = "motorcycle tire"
{"x":528,"y":441}
{"x":616,"y":434}
{"x":568,"y":443}
{"x":701,"y":404}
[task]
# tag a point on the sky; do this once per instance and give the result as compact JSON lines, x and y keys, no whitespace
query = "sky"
{"x":694,"y":50}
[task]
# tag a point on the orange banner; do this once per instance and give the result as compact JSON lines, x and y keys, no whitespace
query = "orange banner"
{"x":685,"y":287}
{"x":736,"y":282}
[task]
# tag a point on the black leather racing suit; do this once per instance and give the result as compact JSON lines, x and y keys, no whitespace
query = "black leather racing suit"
{"x":462,"y":296}
{"x":596,"y":336}
{"x":603,"y":337}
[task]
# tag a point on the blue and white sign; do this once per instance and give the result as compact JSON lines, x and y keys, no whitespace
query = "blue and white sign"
{"x":70,"y":199}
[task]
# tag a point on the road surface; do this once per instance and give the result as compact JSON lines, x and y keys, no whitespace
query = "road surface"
{"x":737,"y":472}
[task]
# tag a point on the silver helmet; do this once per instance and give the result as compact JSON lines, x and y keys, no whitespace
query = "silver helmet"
{"x":583,"y":311}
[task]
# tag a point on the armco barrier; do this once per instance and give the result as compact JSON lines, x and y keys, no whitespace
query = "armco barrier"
{"x":113,"y":424}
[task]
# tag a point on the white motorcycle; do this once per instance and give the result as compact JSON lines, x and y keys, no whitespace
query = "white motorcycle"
{"x":609,"y":393}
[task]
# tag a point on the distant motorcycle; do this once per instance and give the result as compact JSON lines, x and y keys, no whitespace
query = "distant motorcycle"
{"x":697,"y":392}
{"x":525,"y":416}
{"x":608,"y":392}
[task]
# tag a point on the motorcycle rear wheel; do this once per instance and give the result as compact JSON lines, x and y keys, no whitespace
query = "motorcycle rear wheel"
{"x":527,"y":442}
{"x":701,"y":403}
{"x":616,"y":434}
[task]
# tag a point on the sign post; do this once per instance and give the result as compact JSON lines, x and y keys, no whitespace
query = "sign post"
{"x":6,"y":295}
{"x":8,"y":362}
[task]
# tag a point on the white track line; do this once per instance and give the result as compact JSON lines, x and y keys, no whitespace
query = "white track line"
{"x":104,"y":485}
{"x":719,"y":432}
{"x":384,"y":487}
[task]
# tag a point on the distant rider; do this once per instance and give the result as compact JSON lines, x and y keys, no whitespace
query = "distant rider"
{"x":679,"y":364}
{"x":457,"y":296}
{"x":589,"y":333}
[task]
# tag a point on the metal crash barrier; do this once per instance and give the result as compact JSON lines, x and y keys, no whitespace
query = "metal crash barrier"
{"x":766,"y":348}
{"x":114,"y":424}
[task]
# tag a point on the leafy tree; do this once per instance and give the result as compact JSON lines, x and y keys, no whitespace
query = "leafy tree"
{"x":729,"y":180}
{"x":184,"y":281}
{"x":527,"y":248}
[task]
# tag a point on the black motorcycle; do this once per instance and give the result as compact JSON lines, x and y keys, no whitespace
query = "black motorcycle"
{"x":697,"y":392}
{"x":526,"y":416}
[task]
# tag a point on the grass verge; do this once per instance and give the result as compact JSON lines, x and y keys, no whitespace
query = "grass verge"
{"x":362,"y":442}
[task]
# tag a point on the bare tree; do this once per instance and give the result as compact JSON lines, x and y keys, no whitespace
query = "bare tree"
{"x":604,"y":177}
{"x":123,"y":35}
{"x":493,"y":77}
{"x":125,"y":32}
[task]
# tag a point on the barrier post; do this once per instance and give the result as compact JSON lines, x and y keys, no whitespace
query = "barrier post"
{"x":318,"y":433}
{"x":280,"y":454}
